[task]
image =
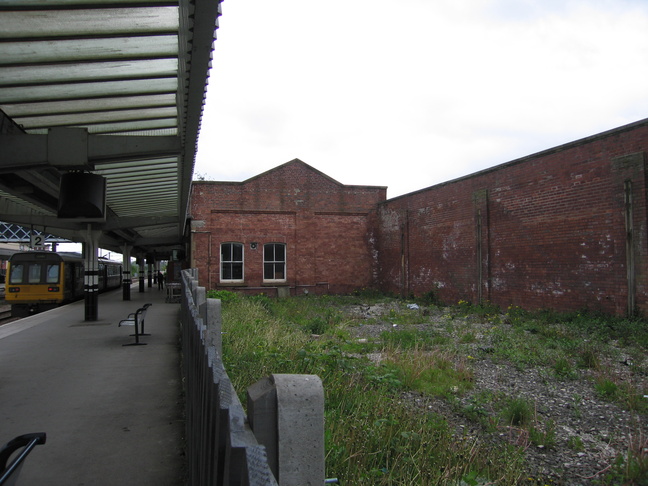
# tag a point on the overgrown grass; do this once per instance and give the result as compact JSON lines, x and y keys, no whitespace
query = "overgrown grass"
{"x":373,"y":435}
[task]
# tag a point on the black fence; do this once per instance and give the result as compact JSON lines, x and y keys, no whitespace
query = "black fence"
{"x":221,"y":447}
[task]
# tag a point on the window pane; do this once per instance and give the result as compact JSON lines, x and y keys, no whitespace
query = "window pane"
{"x":227,"y":271}
{"x":237,"y":271}
{"x":34,"y":273}
{"x":279,"y":271}
{"x":17,"y":272}
{"x":268,"y":253}
{"x":280,"y":252}
{"x":268,"y":271}
{"x":237,"y":252}
{"x":52,"y":274}
{"x":226,"y":252}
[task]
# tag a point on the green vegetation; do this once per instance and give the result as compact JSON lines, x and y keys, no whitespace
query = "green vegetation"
{"x":518,"y":412}
{"x":376,"y":435}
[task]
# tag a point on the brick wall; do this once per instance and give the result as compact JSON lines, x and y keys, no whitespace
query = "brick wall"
{"x":564,"y":229}
{"x":544,"y":231}
{"x":324,"y":225}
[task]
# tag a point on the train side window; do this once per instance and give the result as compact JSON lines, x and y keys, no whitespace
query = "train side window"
{"x":52,"y":273}
{"x":17,"y":272}
{"x":34,"y":273}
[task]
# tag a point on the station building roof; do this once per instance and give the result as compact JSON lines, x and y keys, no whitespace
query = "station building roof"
{"x":108,"y":87}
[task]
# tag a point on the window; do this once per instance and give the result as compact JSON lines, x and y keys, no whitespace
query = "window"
{"x":232,"y":261}
{"x":274,"y":261}
{"x":34,"y":273}
{"x":52,"y":273}
{"x":17,"y":272}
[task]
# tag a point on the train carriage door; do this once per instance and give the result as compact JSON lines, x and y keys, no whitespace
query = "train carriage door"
{"x":34,"y":273}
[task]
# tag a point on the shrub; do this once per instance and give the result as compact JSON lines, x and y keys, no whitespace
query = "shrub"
{"x":589,"y":358}
{"x":606,"y":388}
{"x":518,"y":411}
{"x":563,"y":368}
{"x":543,"y":436}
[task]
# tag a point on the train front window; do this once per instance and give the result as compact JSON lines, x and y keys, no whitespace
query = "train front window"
{"x":52,"y":274}
{"x":17,"y":272}
{"x":34,"y":273}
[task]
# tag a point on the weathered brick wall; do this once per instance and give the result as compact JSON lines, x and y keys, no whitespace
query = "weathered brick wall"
{"x":545,"y":231}
{"x":564,"y":229}
{"x":323,"y":223}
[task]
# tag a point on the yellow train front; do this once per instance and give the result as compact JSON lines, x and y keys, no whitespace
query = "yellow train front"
{"x":41,"y":280}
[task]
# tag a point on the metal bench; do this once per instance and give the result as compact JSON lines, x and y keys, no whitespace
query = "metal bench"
{"x":173,"y":293}
{"x":9,"y":472}
{"x":136,"y":319}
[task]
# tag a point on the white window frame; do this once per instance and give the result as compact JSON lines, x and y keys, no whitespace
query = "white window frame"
{"x":275,"y":262}
{"x":232,"y":262}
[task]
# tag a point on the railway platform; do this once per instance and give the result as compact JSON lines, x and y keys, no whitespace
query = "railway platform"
{"x":112,"y":413}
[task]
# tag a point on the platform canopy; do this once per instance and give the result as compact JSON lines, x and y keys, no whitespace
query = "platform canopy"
{"x":107,"y":87}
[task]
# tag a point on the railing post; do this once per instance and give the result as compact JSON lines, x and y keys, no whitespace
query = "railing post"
{"x":286,"y":414}
{"x":214,"y":325}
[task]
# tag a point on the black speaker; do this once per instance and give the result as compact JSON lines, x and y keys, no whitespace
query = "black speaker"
{"x":82,"y":195}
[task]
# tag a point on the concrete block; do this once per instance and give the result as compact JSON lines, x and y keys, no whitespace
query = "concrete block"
{"x":283,"y":292}
{"x":286,"y":413}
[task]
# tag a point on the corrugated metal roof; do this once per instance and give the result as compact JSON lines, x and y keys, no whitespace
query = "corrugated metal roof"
{"x":116,"y":68}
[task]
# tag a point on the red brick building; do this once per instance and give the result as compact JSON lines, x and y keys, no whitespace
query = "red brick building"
{"x":565,"y":229}
{"x":291,"y":229}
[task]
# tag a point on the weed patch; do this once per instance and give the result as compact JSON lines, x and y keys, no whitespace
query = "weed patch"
{"x":373,"y":361}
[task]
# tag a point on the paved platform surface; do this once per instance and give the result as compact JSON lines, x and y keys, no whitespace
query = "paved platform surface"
{"x":112,"y":413}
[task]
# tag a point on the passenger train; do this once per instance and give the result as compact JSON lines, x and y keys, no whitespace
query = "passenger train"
{"x":41,"y":280}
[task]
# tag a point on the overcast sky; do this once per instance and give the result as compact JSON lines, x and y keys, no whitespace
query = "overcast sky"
{"x":411,"y":93}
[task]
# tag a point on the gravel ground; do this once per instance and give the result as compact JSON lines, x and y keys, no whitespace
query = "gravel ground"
{"x":590,"y":432}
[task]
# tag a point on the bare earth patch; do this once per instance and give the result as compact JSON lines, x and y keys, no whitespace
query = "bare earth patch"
{"x":586,"y":431}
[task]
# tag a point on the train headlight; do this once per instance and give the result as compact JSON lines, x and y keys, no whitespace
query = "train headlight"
{"x":13,"y":290}
{"x":53,"y":289}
